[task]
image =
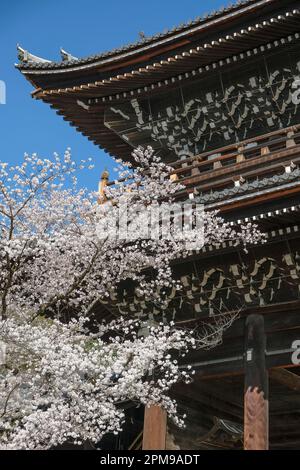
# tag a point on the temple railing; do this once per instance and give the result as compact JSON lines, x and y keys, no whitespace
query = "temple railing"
{"x":248,"y":160}
{"x":262,"y":156}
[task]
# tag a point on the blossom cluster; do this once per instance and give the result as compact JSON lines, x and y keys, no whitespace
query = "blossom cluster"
{"x":66,"y":376}
{"x":61,"y":384}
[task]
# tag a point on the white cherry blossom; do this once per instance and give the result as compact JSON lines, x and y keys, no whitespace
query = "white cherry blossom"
{"x":65,"y":375}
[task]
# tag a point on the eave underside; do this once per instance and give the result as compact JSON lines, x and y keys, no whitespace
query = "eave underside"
{"x":86,"y":112}
{"x":206,"y":402}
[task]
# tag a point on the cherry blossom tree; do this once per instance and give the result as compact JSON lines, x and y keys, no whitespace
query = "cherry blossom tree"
{"x":64,"y":375}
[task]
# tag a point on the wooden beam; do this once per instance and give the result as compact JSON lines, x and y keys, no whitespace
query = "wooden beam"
{"x":210,"y":405}
{"x":256,"y":406}
{"x":155,"y":428}
{"x":287,"y":378}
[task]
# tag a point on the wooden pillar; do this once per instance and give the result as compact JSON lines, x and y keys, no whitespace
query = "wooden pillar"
{"x":256,"y":405}
{"x":265,"y":150}
{"x":240,"y":156}
{"x":290,"y":139}
{"x":155,"y":428}
{"x":195,"y":169}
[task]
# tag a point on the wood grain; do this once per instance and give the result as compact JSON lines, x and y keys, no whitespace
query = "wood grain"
{"x":155,"y":428}
{"x":256,"y":420}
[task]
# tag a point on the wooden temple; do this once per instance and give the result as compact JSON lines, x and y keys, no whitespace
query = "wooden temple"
{"x":218,"y":98}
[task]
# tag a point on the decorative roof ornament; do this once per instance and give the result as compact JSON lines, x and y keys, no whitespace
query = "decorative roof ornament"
{"x":26,"y":57}
{"x":102,"y":185}
{"x":142,"y":35}
{"x":66,"y":56}
{"x":143,"y":39}
{"x":223,"y":431}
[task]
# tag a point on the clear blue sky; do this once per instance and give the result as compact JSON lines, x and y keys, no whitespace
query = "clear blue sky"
{"x":82,"y":28}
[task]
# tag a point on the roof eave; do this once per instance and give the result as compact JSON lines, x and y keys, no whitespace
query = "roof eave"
{"x":140,"y":49}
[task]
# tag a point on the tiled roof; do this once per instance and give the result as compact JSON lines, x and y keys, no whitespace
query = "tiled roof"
{"x":276,"y":180}
{"x":29,"y":61}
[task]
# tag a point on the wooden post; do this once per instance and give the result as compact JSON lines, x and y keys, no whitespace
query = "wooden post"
{"x":155,"y":428}
{"x":290,"y":139}
{"x":240,"y":157}
{"x":195,"y":169}
{"x":264,"y":151}
{"x":256,"y":405}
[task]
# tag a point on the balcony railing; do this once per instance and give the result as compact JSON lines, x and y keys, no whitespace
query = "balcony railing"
{"x":248,"y":160}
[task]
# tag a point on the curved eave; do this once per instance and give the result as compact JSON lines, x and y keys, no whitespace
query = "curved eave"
{"x":86,"y":113}
{"x":203,"y":57}
{"x":153,"y":47}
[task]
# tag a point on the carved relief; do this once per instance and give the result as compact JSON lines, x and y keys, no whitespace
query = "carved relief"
{"x":212,"y":113}
{"x":260,"y":281}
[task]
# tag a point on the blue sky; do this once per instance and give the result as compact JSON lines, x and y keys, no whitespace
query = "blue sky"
{"x":82,"y":28}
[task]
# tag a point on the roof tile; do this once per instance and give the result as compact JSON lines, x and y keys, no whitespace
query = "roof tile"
{"x":140,"y":42}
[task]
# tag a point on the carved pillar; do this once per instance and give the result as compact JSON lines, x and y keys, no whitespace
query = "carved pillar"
{"x":256,"y":405}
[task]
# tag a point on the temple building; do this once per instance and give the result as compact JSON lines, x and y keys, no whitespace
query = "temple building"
{"x":219,"y":100}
